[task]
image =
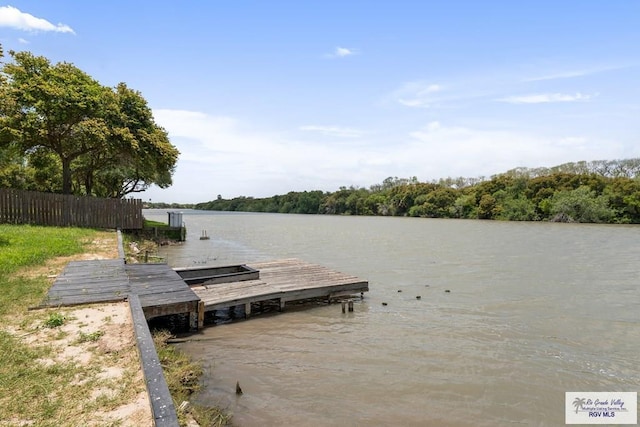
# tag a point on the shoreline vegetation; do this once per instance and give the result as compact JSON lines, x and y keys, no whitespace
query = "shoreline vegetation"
{"x":76,"y":365}
{"x":603,"y":191}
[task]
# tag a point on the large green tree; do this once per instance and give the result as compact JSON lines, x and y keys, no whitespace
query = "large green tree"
{"x":55,"y":108}
{"x":105,"y":139}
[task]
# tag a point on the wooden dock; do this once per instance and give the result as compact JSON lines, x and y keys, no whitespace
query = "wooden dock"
{"x":284,"y":281}
{"x":162,"y":291}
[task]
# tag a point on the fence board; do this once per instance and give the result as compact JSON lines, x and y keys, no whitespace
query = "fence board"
{"x":31,"y":207}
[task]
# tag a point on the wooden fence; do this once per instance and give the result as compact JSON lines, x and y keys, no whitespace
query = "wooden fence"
{"x":31,"y":207}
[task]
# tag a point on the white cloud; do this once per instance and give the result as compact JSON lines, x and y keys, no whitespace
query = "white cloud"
{"x":341,"y":52}
{"x":23,"y":41}
{"x":462,"y":151}
{"x":14,"y":18}
{"x":418,"y":94}
{"x":334,"y":131}
{"x":220,"y":155}
{"x":576,"y":73}
{"x":546,"y":98}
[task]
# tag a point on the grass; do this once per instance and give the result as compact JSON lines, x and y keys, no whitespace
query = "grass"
{"x":150,"y":224}
{"x":27,"y":246}
{"x":55,"y":320}
{"x":89,"y":337}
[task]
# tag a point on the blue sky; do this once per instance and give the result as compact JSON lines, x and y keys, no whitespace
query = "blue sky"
{"x":263,"y":98}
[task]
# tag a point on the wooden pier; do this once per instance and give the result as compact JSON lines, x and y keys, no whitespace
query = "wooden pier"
{"x":282,"y":281}
{"x":162,"y":291}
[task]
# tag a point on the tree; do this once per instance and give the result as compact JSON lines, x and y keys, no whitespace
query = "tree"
{"x":581,"y":205}
{"x":487,"y":207}
{"x":57,"y":108}
{"x":106,"y":139}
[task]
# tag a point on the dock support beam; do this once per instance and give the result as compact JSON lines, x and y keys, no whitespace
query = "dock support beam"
{"x":200,"y":314}
{"x":247,"y":310}
{"x":346,"y":303}
{"x":282,"y":304}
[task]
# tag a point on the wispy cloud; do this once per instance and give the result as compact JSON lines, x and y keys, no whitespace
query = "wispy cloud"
{"x":14,"y":18}
{"x":219,"y":154}
{"x":23,"y":41}
{"x":468,"y":151}
{"x":342,"y":52}
{"x":543,"y":98}
{"x":334,"y":131}
{"x":417,"y":94}
{"x":575,"y":73}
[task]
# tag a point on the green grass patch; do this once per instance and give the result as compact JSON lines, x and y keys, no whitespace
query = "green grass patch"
{"x":26,"y":245}
{"x":55,"y":320}
{"x":149,"y":223}
{"x":89,"y":337}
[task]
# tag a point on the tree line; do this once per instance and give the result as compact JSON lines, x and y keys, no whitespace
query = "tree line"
{"x":606,"y":191}
{"x":61,"y":131}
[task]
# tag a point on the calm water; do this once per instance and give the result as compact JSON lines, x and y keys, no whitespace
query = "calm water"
{"x":534,"y":310}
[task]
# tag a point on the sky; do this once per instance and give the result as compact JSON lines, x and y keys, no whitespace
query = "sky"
{"x":267,"y":97}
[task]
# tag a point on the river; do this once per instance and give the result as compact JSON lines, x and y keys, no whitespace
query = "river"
{"x":533,"y":310}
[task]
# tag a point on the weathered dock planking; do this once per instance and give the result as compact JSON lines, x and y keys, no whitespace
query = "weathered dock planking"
{"x":282,"y":280}
{"x":160,"y":289}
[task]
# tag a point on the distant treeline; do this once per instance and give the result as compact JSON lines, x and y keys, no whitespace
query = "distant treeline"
{"x":162,"y":205}
{"x":597,"y":191}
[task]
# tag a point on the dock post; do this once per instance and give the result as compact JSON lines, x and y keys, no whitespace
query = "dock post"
{"x":282,"y":304}
{"x":350,"y":305}
{"x":344,"y":303}
{"x":200,"y":314}
{"x":247,"y":310}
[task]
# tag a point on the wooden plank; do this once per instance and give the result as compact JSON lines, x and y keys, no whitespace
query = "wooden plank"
{"x":283,"y":281}
{"x":108,"y":280}
{"x":162,"y":407}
